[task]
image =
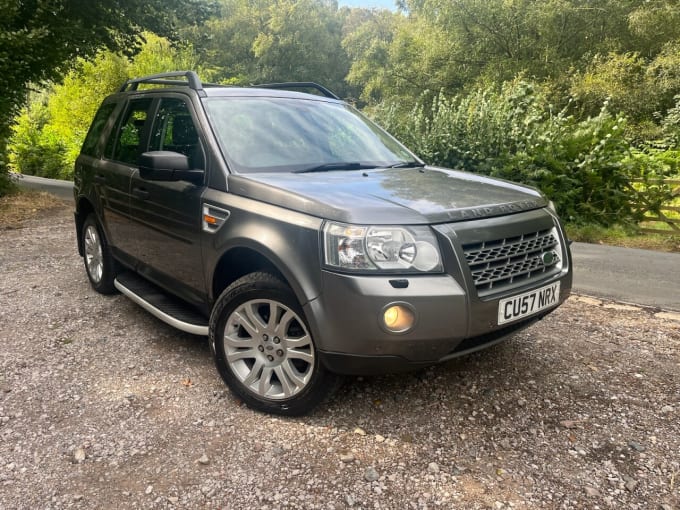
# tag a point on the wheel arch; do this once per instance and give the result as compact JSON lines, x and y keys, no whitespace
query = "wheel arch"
{"x":249,"y":257}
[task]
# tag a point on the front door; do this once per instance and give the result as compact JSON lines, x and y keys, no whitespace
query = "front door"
{"x":168,"y":214}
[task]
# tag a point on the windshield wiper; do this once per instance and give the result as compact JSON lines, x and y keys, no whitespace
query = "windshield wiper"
{"x":406,"y":164}
{"x":338,"y":165}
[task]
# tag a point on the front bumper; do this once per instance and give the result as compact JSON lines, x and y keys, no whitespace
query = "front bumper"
{"x":451,"y":317}
{"x":350,"y":338}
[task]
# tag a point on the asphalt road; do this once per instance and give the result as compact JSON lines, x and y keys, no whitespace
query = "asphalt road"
{"x":640,"y":277}
{"x":62,"y":189}
{"x":626,"y":274}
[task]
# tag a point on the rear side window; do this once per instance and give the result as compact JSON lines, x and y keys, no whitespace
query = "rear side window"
{"x":128,"y":145}
{"x":90,"y":144}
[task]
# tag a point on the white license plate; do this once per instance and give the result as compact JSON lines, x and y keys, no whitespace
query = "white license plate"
{"x":529,"y":303}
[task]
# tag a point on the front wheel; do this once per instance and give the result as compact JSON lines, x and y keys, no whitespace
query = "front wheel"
{"x":263,"y":348}
{"x":99,"y":264}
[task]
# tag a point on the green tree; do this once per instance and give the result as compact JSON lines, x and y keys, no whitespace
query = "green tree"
{"x":224,"y":43}
{"x":453,"y":44}
{"x":257,"y":41}
{"x":641,"y":88}
{"x":40,"y":39}
{"x":654,"y":23}
{"x":302,"y":41}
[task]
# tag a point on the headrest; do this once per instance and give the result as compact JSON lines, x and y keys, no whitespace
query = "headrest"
{"x":183,"y":131}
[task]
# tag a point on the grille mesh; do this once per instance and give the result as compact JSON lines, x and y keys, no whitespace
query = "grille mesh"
{"x":503,"y":263}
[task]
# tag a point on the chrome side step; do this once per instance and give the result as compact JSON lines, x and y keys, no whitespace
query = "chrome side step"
{"x":160,"y":305}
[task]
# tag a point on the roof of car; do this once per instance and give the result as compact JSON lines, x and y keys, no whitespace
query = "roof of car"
{"x":262,"y":92}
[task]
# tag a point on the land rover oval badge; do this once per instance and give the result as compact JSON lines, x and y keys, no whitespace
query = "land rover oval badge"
{"x":548,"y":258}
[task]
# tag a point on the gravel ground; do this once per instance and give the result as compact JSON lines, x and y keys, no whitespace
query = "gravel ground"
{"x":103,"y":406}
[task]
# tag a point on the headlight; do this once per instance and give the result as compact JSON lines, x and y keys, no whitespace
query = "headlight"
{"x":387,"y":248}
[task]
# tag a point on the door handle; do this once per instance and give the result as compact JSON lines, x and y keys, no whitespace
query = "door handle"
{"x":140,"y":193}
{"x":101,"y":179}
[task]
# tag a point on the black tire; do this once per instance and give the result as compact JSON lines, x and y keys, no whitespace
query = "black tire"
{"x":257,"y":309}
{"x":100,"y":266}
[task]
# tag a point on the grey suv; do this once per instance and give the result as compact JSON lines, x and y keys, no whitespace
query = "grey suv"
{"x":301,"y":238}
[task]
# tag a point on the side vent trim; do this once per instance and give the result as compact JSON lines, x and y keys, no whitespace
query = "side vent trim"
{"x":213,"y":218}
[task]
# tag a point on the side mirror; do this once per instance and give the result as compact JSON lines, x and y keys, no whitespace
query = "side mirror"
{"x":168,"y":166}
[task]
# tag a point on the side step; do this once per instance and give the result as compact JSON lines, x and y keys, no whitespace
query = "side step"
{"x":154,"y":300}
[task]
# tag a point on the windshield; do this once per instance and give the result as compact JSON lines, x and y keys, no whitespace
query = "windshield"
{"x":263,"y":134}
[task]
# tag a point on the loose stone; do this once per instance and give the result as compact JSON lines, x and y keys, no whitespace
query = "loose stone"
{"x":79,"y":455}
{"x":371,"y":475}
{"x":346,"y":457}
{"x":591,"y":492}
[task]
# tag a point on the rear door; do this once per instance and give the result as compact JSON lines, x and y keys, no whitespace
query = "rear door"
{"x":113,"y":174}
{"x":168,"y":215}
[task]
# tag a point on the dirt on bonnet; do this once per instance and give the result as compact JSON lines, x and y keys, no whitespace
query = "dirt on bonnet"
{"x":103,"y":406}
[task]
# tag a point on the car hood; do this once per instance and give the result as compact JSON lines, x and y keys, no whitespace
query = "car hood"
{"x":389,"y":196}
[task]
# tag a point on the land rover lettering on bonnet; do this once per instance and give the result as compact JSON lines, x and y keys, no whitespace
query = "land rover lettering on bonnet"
{"x":303,"y":240}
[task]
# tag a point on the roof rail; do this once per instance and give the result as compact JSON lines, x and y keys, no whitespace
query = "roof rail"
{"x":299,"y":85}
{"x":192,"y":80}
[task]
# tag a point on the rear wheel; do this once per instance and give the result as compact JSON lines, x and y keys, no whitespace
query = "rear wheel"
{"x":263,"y":348}
{"x":99,"y":264}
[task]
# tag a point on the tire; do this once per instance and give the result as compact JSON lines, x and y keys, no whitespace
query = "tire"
{"x":99,"y":263}
{"x":263,"y":349}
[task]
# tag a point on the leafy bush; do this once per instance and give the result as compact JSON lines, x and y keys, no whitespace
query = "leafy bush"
{"x":35,"y":150}
{"x":618,"y":79}
{"x":584,"y":166}
{"x":671,"y":124}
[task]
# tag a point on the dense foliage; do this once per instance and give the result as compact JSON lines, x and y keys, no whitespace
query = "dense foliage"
{"x":514,"y":133}
{"x":576,"y":97}
{"x":40,"y":39}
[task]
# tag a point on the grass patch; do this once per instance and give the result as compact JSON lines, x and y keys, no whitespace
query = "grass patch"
{"x":626,"y":237}
{"x":19,"y":207}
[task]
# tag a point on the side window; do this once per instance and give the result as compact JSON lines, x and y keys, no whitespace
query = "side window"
{"x":90,"y":144}
{"x":127,"y":146}
{"x":174,"y":130}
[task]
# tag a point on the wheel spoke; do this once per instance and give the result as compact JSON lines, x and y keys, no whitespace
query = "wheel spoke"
{"x":283,"y":324}
{"x":299,"y":354}
{"x":286,"y":386}
{"x":254,"y":316}
{"x":296,"y":377}
{"x":242,"y":354}
{"x":254,"y":374}
{"x":244,"y":320}
{"x":273,"y":324}
{"x":298,"y":343}
{"x":265,"y":383}
{"x":236,"y":342}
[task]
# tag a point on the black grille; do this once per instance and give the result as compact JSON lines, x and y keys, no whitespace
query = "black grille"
{"x":505,"y":263}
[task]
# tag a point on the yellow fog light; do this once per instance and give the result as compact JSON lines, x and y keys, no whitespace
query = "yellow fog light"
{"x":398,"y":318}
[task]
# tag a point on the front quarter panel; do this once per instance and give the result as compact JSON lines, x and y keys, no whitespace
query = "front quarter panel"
{"x":288,"y":239}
